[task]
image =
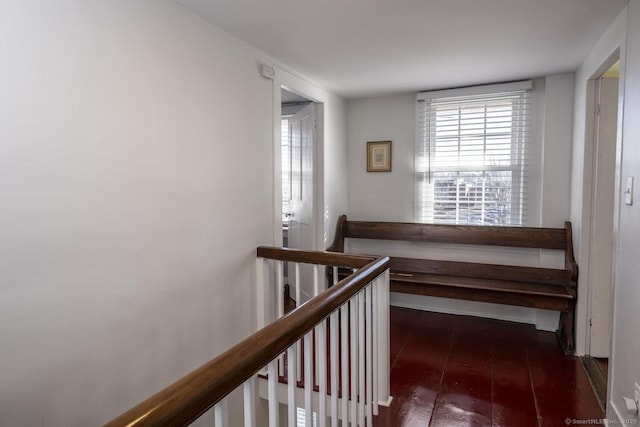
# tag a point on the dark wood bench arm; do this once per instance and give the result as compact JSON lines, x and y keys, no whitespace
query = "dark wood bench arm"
{"x":569,"y":260}
{"x":338,"y":239}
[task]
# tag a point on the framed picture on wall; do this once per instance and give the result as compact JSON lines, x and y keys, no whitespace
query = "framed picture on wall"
{"x":379,"y":156}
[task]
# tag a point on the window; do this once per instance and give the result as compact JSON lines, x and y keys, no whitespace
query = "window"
{"x":471,"y":155}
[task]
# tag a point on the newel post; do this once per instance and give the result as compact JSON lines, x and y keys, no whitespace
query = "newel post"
{"x":384,"y":368}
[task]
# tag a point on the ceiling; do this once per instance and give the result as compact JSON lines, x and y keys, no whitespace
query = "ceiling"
{"x":362,"y":48}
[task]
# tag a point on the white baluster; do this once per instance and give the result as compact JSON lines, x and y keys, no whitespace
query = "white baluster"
{"x":361,"y":350}
{"x":261,"y":295}
{"x":249,"y":389}
{"x":272,"y":393}
{"x":353,"y":317}
{"x":298,"y":304}
{"x":316,"y":280}
{"x":298,"y":284}
{"x":383,"y":338}
{"x":321,"y":334}
{"x":333,"y":344}
{"x":291,"y":385}
{"x":374,"y":333}
{"x":279,"y":289}
{"x":368,"y":355}
{"x":316,"y":292}
{"x":344,"y":357}
{"x":220,"y":414}
{"x":279,"y":303}
{"x":308,"y":379}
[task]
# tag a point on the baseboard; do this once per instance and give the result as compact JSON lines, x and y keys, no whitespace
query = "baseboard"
{"x":443,"y":305}
{"x":620,"y":418}
{"x":386,"y":403}
{"x":597,"y":379}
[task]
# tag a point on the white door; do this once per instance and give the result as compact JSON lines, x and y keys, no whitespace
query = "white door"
{"x":603,"y":190}
{"x":302,"y":128}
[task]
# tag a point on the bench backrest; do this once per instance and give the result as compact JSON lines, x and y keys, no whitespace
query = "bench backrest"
{"x":511,"y":273}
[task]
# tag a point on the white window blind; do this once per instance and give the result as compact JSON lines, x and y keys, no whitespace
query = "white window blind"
{"x":471,"y":155}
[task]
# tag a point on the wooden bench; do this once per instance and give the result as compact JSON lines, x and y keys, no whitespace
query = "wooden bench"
{"x":545,"y":288}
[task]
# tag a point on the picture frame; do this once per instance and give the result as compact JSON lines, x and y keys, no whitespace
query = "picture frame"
{"x":379,"y":156}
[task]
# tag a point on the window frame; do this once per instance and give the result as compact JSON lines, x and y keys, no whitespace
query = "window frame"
{"x":424,"y":195}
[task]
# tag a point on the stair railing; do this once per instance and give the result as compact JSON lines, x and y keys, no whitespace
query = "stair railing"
{"x":342,"y":335}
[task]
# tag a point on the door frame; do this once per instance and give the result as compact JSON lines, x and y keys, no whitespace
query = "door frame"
{"x":602,"y":218}
{"x":591,"y":150}
{"x":295,"y":84}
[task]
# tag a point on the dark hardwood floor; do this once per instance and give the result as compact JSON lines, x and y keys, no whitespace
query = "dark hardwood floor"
{"x":597,"y":371}
{"x":465,"y":371}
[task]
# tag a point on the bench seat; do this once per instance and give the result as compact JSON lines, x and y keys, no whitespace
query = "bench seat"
{"x":522,"y":294}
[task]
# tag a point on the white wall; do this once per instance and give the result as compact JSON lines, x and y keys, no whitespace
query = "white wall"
{"x":136,"y":181}
{"x":389,"y":196}
{"x":556,"y":156}
{"x":335,"y":167}
{"x":382,"y":196}
{"x":625,"y":369}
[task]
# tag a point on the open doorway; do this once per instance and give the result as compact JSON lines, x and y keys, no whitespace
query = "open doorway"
{"x":602,"y":226}
{"x":297,"y":149}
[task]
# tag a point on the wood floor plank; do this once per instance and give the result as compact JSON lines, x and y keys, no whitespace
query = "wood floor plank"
{"x":460,"y":370}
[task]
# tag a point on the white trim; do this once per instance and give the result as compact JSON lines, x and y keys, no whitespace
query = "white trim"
{"x":616,"y":411}
{"x":386,"y":403}
{"x":297,"y":85}
{"x":595,"y":147}
{"x":617,"y":205}
{"x":487,"y":314}
{"x":436,"y":309}
{"x":476,"y":90}
{"x":585,"y":280}
{"x":277,"y":161}
{"x":614,"y":38}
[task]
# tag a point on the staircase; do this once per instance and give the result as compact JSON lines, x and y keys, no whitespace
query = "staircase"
{"x":328,"y":356}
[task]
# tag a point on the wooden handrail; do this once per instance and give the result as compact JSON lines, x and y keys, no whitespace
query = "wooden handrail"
{"x":185,"y":400}
{"x":314,"y":257}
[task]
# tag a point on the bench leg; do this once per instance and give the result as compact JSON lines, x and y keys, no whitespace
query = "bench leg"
{"x":566,"y":332}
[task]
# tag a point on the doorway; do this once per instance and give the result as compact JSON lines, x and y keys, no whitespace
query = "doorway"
{"x":601,"y":270}
{"x":297,"y":150}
